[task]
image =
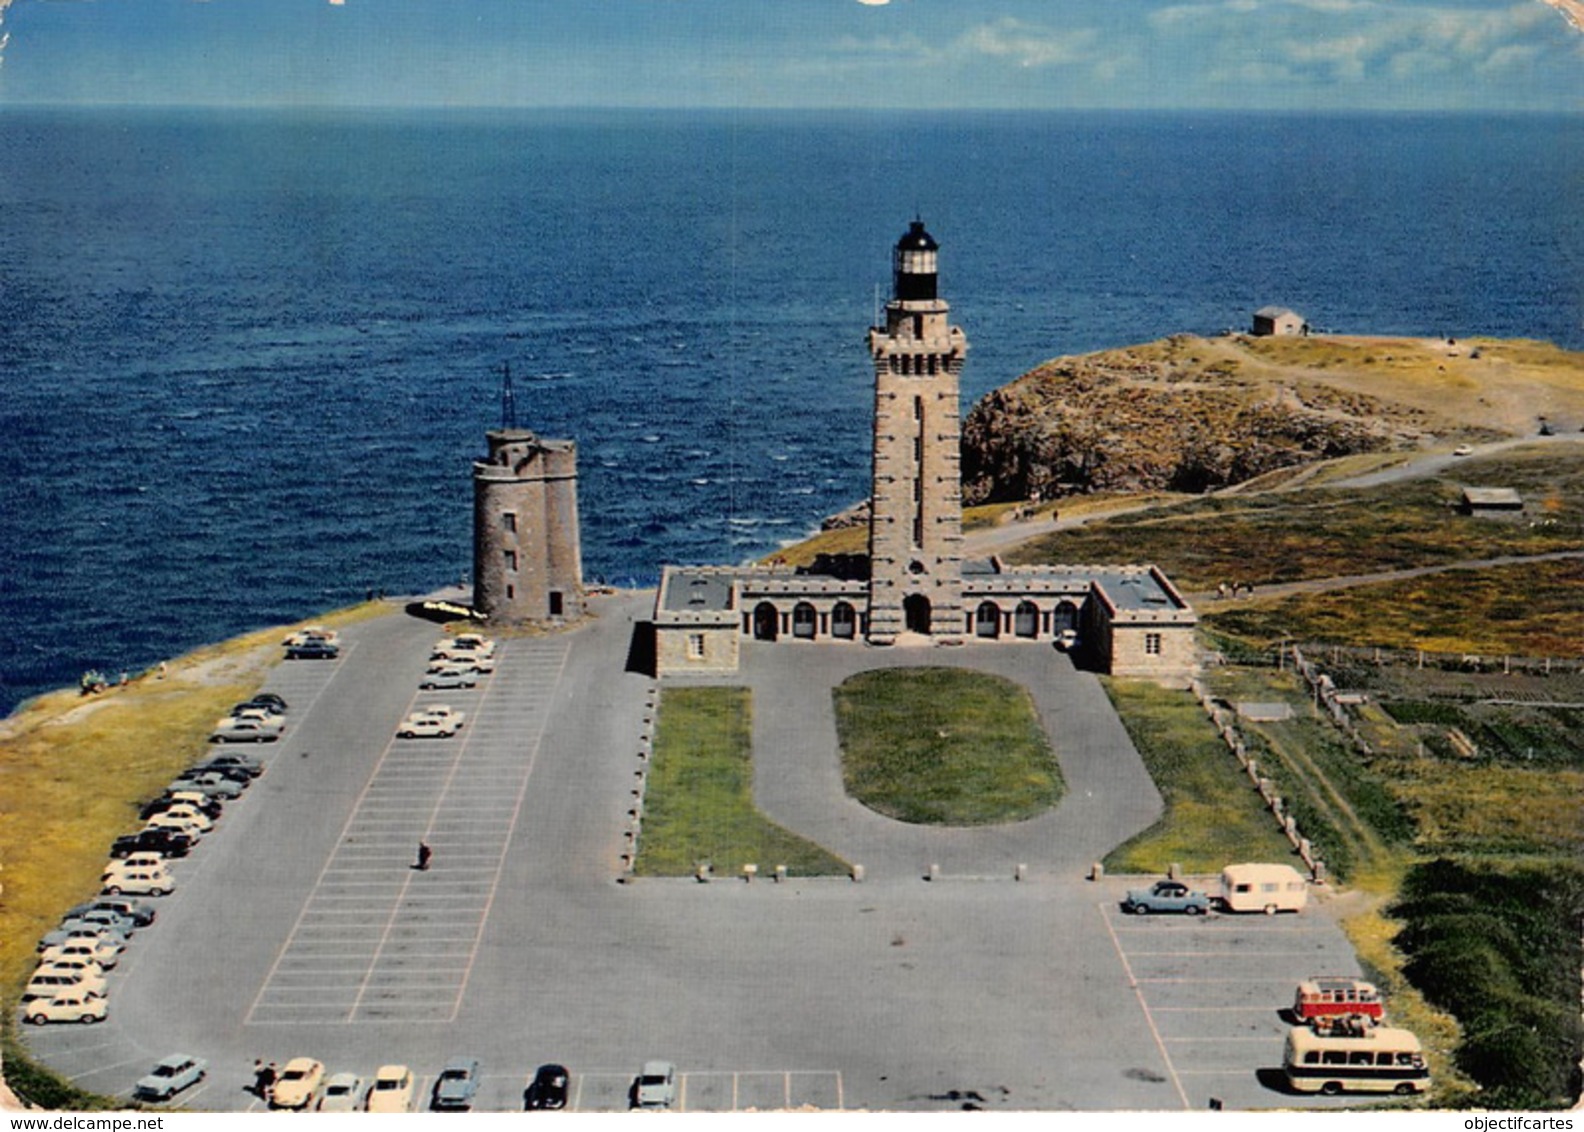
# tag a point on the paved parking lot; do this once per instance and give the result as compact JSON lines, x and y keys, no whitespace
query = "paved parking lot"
{"x":300,"y":928}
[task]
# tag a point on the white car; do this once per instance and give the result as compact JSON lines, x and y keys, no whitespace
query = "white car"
{"x":298,"y":1084}
{"x":248,"y":729}
{"x":69,"y":1007}
{"x":449,"y":676}
{"x":175,"y":823}
{"x":392,"y":1090}
{"x":656,"y":1085}
{"x":312,"y":633}
{"x":139,"y":882}
{"x":100,"y":952}
{"x":343,"y":1092}
{"x":1463,"y":450}
{"x":468,"y":646}
{"x":430,"y":725}
{"x":50,"y":981}
{"x":191,"y":814}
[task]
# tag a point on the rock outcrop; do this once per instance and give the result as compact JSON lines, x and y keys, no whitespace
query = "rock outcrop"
{"x":1185,"y":414}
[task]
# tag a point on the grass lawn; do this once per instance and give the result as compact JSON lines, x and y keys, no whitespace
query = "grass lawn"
{"x":1212,"y":815}
{"x":74,"y":771}
{"x":944,"y":746}
{"x":698,"y":806}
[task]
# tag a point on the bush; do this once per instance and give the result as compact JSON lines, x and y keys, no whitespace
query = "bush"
{"x":1500,"y":949}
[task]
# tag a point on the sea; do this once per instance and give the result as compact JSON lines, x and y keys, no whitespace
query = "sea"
{"x":247,"y":357}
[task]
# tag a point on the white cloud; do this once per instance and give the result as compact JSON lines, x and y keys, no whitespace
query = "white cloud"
{"x":1027,"y":45}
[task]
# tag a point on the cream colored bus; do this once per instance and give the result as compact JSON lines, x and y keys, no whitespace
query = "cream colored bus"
{"x":1376,"y":1059}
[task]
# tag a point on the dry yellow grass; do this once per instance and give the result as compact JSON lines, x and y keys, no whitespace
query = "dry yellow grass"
{"x":74,"y":770}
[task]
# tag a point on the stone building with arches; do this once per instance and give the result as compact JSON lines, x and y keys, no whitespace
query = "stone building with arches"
{"x":915,"y":586}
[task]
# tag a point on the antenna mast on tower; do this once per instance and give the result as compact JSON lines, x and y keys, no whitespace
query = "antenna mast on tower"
{"x":508,"y":398}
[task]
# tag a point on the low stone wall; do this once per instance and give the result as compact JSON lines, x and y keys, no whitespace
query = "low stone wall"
{"x":1225,"y":723}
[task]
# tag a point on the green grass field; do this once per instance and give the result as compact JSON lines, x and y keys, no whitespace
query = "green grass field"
{"x":1213,"y":815}
{"x":944,"y":746}
{"x":698,"y":805}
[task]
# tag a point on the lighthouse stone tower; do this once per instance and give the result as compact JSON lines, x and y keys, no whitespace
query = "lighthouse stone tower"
{"x":915,"y":526}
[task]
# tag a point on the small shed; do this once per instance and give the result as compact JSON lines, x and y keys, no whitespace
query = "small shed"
{"x":1279,"y":320}
{"x":1483,"y":500}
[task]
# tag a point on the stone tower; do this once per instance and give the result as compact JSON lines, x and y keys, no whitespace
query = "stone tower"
{"x":527,"y":560}
{"x":915,"y":524}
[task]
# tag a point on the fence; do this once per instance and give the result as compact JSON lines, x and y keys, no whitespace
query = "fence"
{"x":1225,"y":723}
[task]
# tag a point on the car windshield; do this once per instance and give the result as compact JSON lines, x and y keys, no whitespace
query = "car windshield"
{"x":455,"y":1075}
{"x":654,"y":1079}
{"x":388,"y":1083}
{"x":294,"y":1074}
{"x":166,"y":1070}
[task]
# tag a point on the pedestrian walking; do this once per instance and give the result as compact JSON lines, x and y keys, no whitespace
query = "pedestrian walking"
{"x":267,"y":1081}
{"x":424,"y":853}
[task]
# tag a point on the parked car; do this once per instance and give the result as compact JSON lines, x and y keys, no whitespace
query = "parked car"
{"x":101,"y":951}
{"x":140,"y":882}
{"x":50,"y":981}
{"x":175,"y":823}
{"x":140,"y":914}
{"x":449,"y":676}
{"x":76,"y":929}
{"x":392,"y":1090}
{"x":71,"y":1006}
{"x":1166,"y":896}
{"x":428,"y":725}
{"x":298,"y":1084}
{"x":457,"y":1085}
{"x":270,"y":700}
{"x":103,"y":919}
{"x":230,"y":729}
{"x":548,"y":1089}
{"x":313,"y":650}
{"x":343,"y":1092}
{"x":259,"y":705}
{"x":1067,"y":640}
{"x":311,"y":633}
{"x":143,"y":860}
{"x":656,"y":1085}
{"x":165,"y":842}
{"x":208,"y":808}
{"x":170,"y":1076}
{"x":228,"y":761}
{"x":214,"y":786}
{"x":466,"y":647}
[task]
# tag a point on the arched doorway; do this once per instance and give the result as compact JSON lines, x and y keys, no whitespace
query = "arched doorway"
{"x":766,"y":621}
{"x":1066,"y":617}
{"x":844,"y":621}
{"x":804,"y":621}
{"x":987,"y":620}
{"x":916,"y":613}
{"x":1025,"y":620}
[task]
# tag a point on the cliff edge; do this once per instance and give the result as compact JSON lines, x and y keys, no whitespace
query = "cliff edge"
{"x":1196,"y":414}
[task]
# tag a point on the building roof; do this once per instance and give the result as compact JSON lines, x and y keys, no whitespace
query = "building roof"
{"x":1492,"y":497}
{"x":1274,"y":313}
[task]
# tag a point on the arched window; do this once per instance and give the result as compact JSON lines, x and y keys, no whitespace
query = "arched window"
{"x":766,"y":622}
{"x":844,"y":621}
{"x":1025,"y":621}
{"x":804,"y":621}
{"x":987,"y":620}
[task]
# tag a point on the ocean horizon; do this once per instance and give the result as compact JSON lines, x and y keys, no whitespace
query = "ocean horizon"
{"x":249,"y":355}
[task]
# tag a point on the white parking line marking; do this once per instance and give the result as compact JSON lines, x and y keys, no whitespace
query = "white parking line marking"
{"x":1149,"y":1019}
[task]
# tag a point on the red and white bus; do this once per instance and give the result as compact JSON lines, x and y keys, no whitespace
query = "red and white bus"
{"x":1326,"y":995}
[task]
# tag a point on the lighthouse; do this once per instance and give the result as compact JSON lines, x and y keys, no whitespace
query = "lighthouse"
{"x":915,"y":524}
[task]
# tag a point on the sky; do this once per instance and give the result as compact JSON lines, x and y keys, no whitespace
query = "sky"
{"x":1299,"y":55}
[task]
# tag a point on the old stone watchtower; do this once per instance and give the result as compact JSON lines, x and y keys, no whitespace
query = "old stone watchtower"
{"x":915,"y":530}
{"x":527,"y":557}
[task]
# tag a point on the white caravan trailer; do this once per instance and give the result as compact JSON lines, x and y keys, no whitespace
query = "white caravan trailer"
{"x":1263,"y":888}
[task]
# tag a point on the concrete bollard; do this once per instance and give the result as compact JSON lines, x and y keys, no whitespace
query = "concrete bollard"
{"x":857,"y":874}
{"x":1174,"y":871}
{"x":749,"y":872}
{"x":1021,"y":872}
{"x":934,"y":873}
{"x":1097,"y":871}
{"x":780,"y":873}
{"x":705,"y":874}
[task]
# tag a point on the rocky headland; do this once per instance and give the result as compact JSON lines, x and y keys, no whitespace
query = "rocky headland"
{"x":1197,"y":414}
